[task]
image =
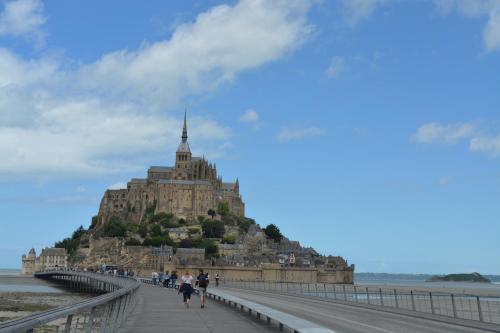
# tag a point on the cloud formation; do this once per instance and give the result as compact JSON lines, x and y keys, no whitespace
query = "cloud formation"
{"x":444,"y":134}
{"x":287,"y":134}
{"x":357,"y":10}
{"x":337,"y":65}
{"x":22,"y":18}
{"x":479,"y":140}
{"x":251,"y":117}
{"x":476,"y":9}
{"x":112,"y":115}
{"x":488,"y":145}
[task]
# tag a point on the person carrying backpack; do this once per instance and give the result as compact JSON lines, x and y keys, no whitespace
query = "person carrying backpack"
{"x":202,"y":283}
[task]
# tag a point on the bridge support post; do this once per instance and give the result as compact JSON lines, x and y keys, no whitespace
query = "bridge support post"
{"x":396,"y":299}
{"x":356,"y":294}
{"x":479,"y":310}
{"x":432,"y":302}
{"x":453,"y":306}
{"x":345,"y":294}
{"x":67,"y":326}
{"x":105,"y":316}
{"x":381,"y":297}
{"x":90,"y":322}
{"x":367,"y":296}
{"x":412,"y":301}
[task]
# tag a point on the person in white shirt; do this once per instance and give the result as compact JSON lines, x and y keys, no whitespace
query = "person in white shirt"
{"x":186,"y":287}
{"x":154,"y":277}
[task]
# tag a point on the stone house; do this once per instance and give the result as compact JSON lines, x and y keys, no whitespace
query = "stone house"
{"x":49,"y":259}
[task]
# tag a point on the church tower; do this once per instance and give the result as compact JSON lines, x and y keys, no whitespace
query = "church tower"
{"x":183,"y":153}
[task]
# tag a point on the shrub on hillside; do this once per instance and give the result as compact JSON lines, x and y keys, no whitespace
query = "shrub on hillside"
{"x":231,"y":239}
{"x":223,"y":208}
{"x":132,"y":242}
{"x":213,"y":229}
{"x":114,"y":228}
{"x":273,"y":232}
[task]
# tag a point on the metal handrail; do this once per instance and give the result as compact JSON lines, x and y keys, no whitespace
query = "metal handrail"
{"x":29,"y":322}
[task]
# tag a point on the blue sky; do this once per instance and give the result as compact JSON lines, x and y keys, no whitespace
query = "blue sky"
{"x":366,"y":128}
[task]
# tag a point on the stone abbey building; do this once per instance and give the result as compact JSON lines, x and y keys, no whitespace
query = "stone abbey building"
{"x":189,"y":189}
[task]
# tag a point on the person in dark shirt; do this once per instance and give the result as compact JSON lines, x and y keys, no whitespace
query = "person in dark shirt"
{"x":202,"y":283}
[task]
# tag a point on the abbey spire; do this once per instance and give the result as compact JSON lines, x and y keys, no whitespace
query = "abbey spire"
{"x":184,"y":129}
{"x":184,"y":145}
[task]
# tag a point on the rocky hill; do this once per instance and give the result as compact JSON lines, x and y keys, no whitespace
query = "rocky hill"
{"x":472,"y":277}
{"x":223,"y":240}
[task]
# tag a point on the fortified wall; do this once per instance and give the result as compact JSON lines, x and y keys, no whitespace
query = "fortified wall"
{"x":275,"y":273}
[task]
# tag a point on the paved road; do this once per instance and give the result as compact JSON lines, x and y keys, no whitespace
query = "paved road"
{"x":162,"y":310}
{"x":348,"y":319}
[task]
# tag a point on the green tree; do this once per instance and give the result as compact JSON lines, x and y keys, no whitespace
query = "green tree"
{"x":161,"y":240}
{"x":244,"y":223}
{"x":186,"y":243}
{"x":69,"y":244}
{"x":114,"y":228}
{"x":132,"y":242}
{"x":78,"y":233}
{"x":223,"y":208}
{"x":210,"y":247}
{"x":155,"y":230}
{"x":213,"y":229}
{"x":231,"y":239}
{"x":211,"y":213}
{"x":273,"y":232}
{"x":143,"y":230}
{"x":165,"y":219}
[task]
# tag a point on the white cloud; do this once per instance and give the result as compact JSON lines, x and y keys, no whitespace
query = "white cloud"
{"x":489,"y":145}
{"x":476,"y":9}
{"x":109,"y":116}
{"x":251,"y":117}
{"x":22,"y":18}
{"x":356,"y":10}
{"x":287,"y":134}
{"x":445,"y":134}
{"x":118,"y":186}
{"x":337,"y":65}
{"x":492,"y":32}
{"x":479,"y":139}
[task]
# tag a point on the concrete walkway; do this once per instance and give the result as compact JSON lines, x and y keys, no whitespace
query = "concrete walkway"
{"x":162,"y":310}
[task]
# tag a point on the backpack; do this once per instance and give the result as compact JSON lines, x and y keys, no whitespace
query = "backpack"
{"x":203,"y":280}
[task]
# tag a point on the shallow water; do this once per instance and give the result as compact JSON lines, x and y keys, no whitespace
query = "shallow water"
{"x":11,"y":283}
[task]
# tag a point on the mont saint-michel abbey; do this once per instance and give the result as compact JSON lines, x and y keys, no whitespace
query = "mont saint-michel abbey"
{"x":189,"y":189}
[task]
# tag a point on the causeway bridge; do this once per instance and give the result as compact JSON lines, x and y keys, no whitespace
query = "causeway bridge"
{"x":127,"y":305}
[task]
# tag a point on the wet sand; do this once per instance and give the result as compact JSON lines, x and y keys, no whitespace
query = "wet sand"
{"x":23,"y":295}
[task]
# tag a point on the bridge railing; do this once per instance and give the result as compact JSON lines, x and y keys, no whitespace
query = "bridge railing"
{"x":463,"y":306}
{"x":102,"y":313}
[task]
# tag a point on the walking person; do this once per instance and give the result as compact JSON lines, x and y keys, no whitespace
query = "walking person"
{"x":173,"y":278}
{"x":154,"y":277}
{"x":167,"y":279}
{"x":186,"y":287}
{"x":160,"y":279}
{"x":217,"y":277}
{"x":202,"y":283}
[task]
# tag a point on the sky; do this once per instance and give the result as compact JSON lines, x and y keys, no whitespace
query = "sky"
{"x":368,"y":129}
